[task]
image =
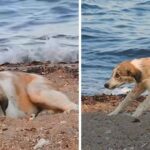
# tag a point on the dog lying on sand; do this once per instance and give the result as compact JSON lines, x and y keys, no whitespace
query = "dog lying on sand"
{"x":138,"y":71}
{"x":25,"y":94}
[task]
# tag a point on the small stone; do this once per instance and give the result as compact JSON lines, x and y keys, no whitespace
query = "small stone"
{"x":136,"y":120}
{"x":41,"y":143}
{"x":108,"y":132}
{"x":63,"y":122}
{"x":32,"y":117}
{"x":4,"y":129}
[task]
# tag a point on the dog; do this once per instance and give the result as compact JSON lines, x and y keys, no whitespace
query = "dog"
{"x":138,"y":71}
{"x":26,"y":93}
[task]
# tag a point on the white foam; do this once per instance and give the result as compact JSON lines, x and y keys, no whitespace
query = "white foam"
{"x":121,"y":90}
{"x":52,"y":51}
{"x":117,"y":91}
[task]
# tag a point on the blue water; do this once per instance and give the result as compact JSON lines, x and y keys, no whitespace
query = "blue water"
{"x":112,"y":31}
{"x":38,"y":30}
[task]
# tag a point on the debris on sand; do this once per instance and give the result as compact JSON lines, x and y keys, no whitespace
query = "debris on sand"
{"x":106,"y":103}
{"x":41,"y":143}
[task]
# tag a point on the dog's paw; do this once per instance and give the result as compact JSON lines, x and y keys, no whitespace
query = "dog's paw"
{"x":135,"y":117}
{"x":113,"y":113}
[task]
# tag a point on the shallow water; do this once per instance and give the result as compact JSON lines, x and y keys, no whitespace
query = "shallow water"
{"x":112,"y":31}
{"x":38,"y":30}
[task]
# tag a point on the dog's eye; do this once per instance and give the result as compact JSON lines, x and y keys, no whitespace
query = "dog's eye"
{"x":117,"y":75}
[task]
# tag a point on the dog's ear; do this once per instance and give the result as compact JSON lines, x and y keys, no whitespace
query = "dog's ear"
{"x":135,"y":73}
{"x":138,"y":76}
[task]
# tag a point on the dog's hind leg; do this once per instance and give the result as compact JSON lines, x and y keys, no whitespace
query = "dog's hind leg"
{"x":129,"y":98}
{"x":46,"y":98}
{"x":145,"y":105}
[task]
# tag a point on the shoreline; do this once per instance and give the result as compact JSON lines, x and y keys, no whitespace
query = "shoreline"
{"x":106,"y":103}
{"x":41,"y":67}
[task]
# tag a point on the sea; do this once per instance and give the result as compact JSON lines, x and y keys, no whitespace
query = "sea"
{"x":112,"y":31}
{"x":38,"y":30}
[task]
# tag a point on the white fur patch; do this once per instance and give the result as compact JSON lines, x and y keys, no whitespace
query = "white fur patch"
{"x":1,"y":112}
{"x":137,"y":63}
{"x":13,"y":111}
{"x":8,"y":88}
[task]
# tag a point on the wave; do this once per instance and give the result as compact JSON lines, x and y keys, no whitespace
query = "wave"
{"x":42,"y":30}
{"x":90,"y":6}
{"x":112,"y":32}
{"x":51,"y":51}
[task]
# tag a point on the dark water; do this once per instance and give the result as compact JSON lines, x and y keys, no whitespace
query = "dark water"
{"x":112,"y":31}
{"x":38,"y":30}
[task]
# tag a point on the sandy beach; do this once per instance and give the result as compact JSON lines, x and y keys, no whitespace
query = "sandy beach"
{"x":58,"y":131}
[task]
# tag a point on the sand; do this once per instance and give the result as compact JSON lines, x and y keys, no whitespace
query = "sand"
{"x":102,"y":132}
{"x":47,"y":131}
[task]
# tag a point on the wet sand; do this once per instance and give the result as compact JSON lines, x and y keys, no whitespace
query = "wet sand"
{"x":102,"y":132}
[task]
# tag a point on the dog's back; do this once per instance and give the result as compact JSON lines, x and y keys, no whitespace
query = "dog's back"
{"x":143,"y":64}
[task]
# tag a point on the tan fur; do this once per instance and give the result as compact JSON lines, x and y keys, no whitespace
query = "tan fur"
{"x":138,"y":71}
{"x":143,"y":65}
{"x":29,"y":93}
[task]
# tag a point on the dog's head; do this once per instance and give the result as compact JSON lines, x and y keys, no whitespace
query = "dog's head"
{"x":125,"y":72}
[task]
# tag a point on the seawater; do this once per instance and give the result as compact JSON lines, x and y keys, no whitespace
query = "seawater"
{"x":38,"y":30}
{"x":112,"y":31}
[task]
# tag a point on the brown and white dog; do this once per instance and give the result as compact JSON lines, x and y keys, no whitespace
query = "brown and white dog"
{"x":24,"y":93}
{"x":138,"y":71}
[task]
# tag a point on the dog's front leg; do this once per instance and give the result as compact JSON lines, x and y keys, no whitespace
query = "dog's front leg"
{"x":1,"y":112}
{"x":129,"y":98}
{"x":145,"y":105}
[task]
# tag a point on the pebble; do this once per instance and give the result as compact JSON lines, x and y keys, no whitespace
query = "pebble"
{"x":41,"y":143}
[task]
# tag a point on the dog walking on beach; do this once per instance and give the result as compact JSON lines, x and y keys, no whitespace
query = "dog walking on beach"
{"x":24,"y":93}
{"x":138,"y":71}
